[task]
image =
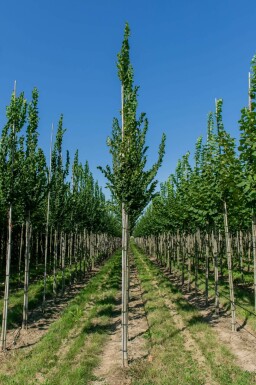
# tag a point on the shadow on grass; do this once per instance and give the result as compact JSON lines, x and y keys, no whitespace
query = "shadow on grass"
{"x":98,"y":328}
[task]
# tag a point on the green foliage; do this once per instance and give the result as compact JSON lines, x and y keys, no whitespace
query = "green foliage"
{"x":247,"y":146}
{"x":128,"y":181}
{"x":192,"y":198}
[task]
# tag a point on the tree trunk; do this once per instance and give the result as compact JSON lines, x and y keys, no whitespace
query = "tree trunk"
{"x":230,"y":272}
{"x":206,"y":269}
{"x":63,"y":251}
{"x":46,"y":247}
{"x":189,"y":241}
{"x":241,"y":249}
{"x":21,"y":250}
{"x":124,"y":286}
{"x":55,"y":266}
{"x":254,"y":255}
{"x":26,"y":276}
{"x":7,"y":282}
{"x":197,"y":235}
{"x":216,"y":274}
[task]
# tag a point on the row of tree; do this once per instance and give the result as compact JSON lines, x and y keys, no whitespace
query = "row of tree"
{"x":47,"y":218}
{"x":214,"y":197}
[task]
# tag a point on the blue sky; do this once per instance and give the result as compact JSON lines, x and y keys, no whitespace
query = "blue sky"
{"x":184,"y":53}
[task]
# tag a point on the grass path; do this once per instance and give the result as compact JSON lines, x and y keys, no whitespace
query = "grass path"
{"x":71,"y":348}
{"x":185,"y":349}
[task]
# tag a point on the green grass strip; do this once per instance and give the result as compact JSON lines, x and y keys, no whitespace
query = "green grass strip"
{"x":35,"y":295}
{"x":171,"y":364}
{"x":70,"y":350}
{"x":243,"y":296}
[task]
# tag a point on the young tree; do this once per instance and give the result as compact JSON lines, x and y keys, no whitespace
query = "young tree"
{"x":130,"y":184}
{"x":248,"y":157}
{"x":10,"y":181}
{"x":33,"y":184}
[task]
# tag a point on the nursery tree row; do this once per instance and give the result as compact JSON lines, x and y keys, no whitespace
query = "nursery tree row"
{"x":51,"y":217}
{"x":203,"y":219}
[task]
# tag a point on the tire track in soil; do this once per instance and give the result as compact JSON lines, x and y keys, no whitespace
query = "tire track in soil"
{"x":110,"y":371}
{"x":241,"y":343}
{"x":190,"y":343}
{"x":74,"y":333}
{"x":39,"y":321}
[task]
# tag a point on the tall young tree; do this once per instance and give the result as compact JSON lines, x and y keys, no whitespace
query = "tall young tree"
{"x":248,"y":157}
{"x":10,"y":181}
{"x":128,"y":181}
{"x":59,"y":204}
{"x":33,"y":170}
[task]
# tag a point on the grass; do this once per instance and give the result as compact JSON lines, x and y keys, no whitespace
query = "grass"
{"x":35,"y":295}
{"x":172,"y":364}
{"x":243,"y":295}
{"x":70,"y":350}
{"x":72,"y":347}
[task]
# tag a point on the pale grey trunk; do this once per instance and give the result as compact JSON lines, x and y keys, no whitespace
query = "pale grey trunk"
{"x":241,"y":258}
{"x":216,"y":274}
{"x":46,"y":248}
{"x":206,"y":269}
{"x":55,"y":266}
{"x":169,"y":253}
{"x":26,"y":276}
{"x":63,"y":251}
{"x":230,"y":272}
{"x":7,"y":282}
{"x":124,"y":287}
{"x":249,"y":252}
{"x":21,"y":251}
{"x":197,"y":235}
{"x":189,"y":261}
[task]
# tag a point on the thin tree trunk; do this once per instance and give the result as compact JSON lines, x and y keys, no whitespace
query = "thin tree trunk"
{"x":207,"y":270}
{"x":124,"y":287}
{"x":63,"y":250}
{"x":189,"y":240}
{"x":230,"y":272}
{"x":249,"y":253}
{"x":26,"y":276}
{"x":55,"y":266}
{"x":216,"y":274}
{"x":9,"y":250}
{"x":254,"y":255}
{"x":196,"y":259}
{"x":46,"y":249}
{"x":7,"y":282}
{"x":241,"y":248}
{"x":169,"y":252}
{"x":183,"y":260}
{"x":47,"y":223}
{"x":21,"y":250}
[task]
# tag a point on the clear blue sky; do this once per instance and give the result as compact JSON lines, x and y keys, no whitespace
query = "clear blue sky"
{"x":184,"y":53}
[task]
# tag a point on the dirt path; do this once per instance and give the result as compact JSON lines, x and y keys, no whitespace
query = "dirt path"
{"x":110,"y":371}
{"x":242,"y":343}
